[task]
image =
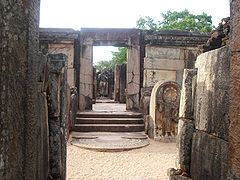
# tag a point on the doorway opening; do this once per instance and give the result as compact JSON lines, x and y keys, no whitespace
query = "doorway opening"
{"x":109,"y":78}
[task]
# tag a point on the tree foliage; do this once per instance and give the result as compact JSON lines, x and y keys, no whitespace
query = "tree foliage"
{"x":183,"y":20}
{"x":119,"y":57}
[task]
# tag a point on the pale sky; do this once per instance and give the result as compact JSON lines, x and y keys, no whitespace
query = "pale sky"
{"x":120,"y":14}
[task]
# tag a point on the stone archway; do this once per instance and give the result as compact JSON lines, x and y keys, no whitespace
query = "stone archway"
{"x":164,"y":107}
{"x":129,"y":38}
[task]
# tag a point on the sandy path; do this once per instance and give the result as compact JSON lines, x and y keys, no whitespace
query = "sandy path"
{"x":148,"y":163}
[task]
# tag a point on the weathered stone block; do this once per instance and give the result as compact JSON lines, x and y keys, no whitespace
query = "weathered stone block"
{"x":163,"y":64}
{"x":186,"y":108}
{"x":212,"y":92}
{"x":65,"y":48}
{"x":122,"y":83}
{"x":164,"y":53}
{"x":184,"y":144}
{"x":116,"y":82}
{"x":151,"y":77}
{"x":71,"y":77}
{"x":57,"y":111}
{"x":209,"y":157}
{"x":174,"y":174}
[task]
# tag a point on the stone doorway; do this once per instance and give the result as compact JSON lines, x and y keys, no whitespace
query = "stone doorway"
{"x":109,"y":81}
{"x":129,"y":38}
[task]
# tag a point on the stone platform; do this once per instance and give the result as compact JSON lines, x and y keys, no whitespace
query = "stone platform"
{"x":109,"y":127}
{"x":109,"y":141}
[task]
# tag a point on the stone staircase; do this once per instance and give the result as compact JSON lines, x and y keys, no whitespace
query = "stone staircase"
{"x":97,"y":121}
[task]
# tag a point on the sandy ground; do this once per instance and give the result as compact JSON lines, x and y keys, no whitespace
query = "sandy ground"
{"x":148,"y":163}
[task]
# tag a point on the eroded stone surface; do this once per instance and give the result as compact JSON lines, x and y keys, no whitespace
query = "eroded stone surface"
{"x":57,"y":110}
{"x":184,"y":144}
{"x":234,"y":93}
{"x":209,"y":157}
{"x":186,"y":108}
{"x":20,"y":88}
{"x":212,"y":92}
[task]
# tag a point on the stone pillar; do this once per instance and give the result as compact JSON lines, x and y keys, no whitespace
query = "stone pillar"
{"x":186,"y":121}
{"x":133,"y":78}
{"x":116,"y":82}
{"x":110,"y":84}
{"x":86,"y":77}
{"x":57,"y":111}
{"x":122,"y":84}
{"x":234,"y":92}
{"x":94,"y":85}
{"x":22,"y":99}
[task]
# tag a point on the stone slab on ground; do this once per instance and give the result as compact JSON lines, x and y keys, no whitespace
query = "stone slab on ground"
{"x":109,"y":141}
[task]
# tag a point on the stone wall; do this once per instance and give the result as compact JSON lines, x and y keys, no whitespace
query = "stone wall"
{"x":234,"y":93}
{"x":211,"y":116}
{"x":54,"y":41}
{"x":204,"y":150}
{"x":167,"y":54}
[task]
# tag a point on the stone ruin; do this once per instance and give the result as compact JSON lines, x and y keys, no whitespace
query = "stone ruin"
{"x":208,"y":129}
{"x":36,"y":101}
{"x":219,"y":36}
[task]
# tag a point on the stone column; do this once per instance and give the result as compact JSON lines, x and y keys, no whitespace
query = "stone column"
{"x":20,"y":101}
{"x":110,"y":84}
{"x":234,"y":92}
{"x":86,"y":77}
{"x":57,"y":112}
{"x":116,"y":82}
{"x":186,"y":121}
{"x":133,"y":78}
{"x":122,"y":84}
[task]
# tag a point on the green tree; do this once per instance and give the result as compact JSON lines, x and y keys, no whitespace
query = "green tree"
{"x":183,"y":20}
{"x":103,"y":65}
{"x":119,"y":57}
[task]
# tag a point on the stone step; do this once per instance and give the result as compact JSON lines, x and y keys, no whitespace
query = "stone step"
{"x":107,"y":114}
{"x":108,"y":120}
{"x":108,"y":127}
